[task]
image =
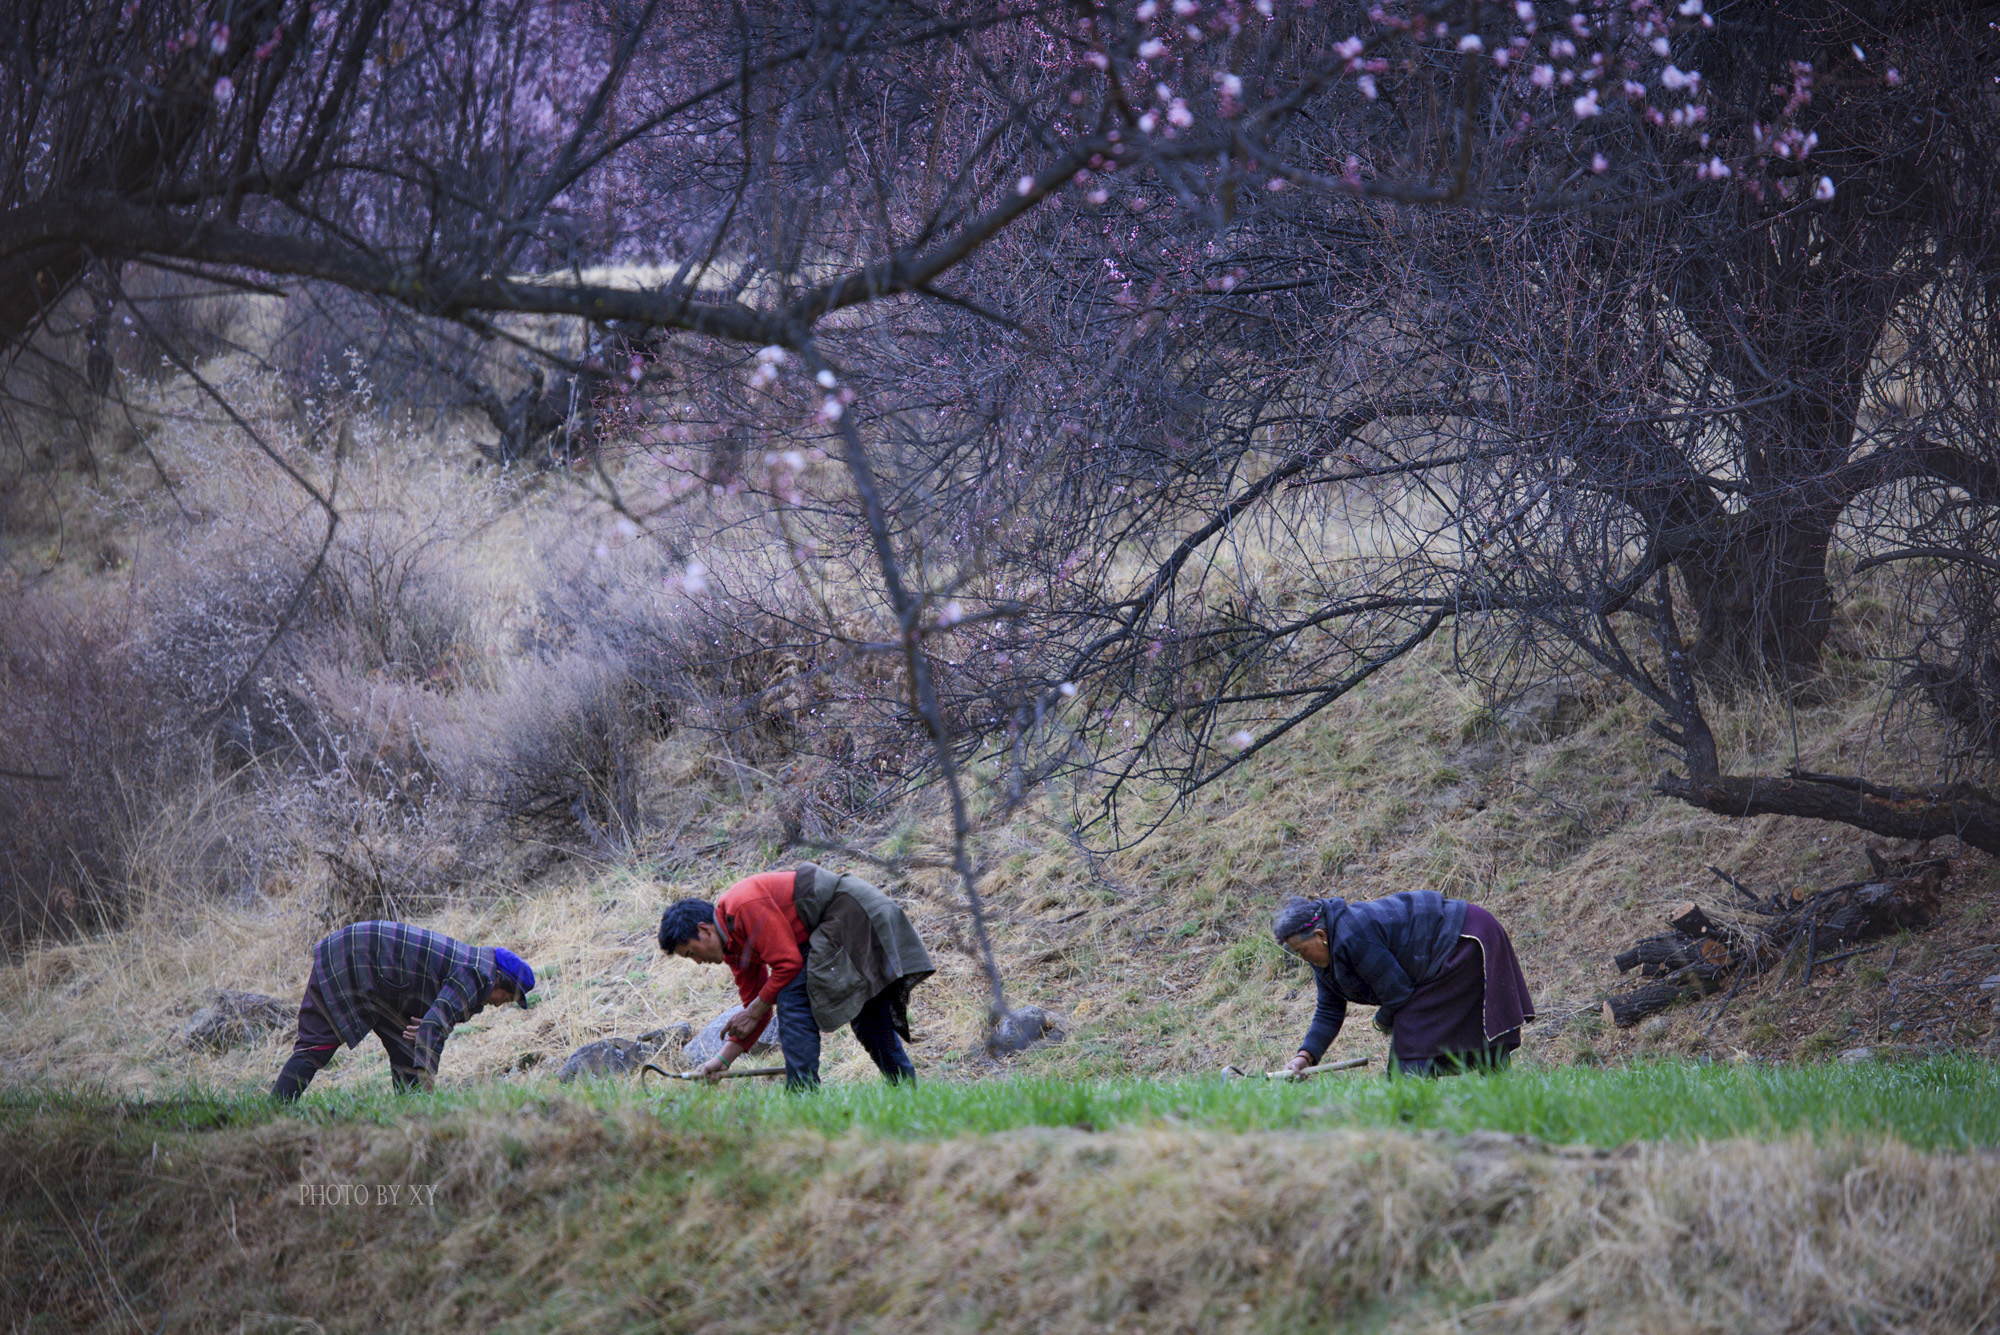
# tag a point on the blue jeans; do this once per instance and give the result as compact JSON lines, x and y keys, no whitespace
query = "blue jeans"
{"x":798,"y":1034}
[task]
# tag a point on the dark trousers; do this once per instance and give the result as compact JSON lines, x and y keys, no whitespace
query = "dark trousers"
{"x":798,"y":1035}
{"x":317,"y":1041}
{"x":1494,"y":1056}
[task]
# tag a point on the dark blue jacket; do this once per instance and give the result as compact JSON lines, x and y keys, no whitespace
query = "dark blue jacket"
{"x":1383,"y":950}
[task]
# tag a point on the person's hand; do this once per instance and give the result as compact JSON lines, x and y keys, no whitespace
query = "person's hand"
{"x":712,"y":1069}
{"x":1297,"y":1064}
{"x":748,"y":1024}
{"x":416,"y":1023}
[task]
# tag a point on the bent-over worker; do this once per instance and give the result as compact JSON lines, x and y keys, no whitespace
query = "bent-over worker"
{"x":409,"y":986}
{"x":820,"y":950}
{"x":1441,"y":971}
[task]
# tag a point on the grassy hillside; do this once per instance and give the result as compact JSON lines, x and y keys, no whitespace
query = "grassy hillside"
{"x":470,"y":657}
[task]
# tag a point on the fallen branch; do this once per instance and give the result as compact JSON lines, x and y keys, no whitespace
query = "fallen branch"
{"x":1321,"y":1069}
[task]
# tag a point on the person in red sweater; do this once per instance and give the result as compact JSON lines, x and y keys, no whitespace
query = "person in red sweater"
{"x":756,"y":930}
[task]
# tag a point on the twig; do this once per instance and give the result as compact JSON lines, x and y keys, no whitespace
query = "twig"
{"x":1858,"y":950}
{"x":1737,"y":886}
{"x":1812,"y":945}
{"x":1742,"y":976}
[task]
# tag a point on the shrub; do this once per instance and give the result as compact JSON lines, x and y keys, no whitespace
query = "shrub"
{"x":91,"y":760}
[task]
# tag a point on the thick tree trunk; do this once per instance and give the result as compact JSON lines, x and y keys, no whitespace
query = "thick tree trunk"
{"x":1762,"y":599}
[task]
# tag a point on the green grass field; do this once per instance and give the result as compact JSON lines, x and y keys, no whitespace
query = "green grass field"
{"x":1945,"y":1103}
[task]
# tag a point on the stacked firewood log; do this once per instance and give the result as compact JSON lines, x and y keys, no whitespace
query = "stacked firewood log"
{"x":1700,"y":954}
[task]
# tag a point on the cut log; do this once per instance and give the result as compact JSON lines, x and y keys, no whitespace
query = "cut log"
{"x":1626,"y":1009}
{"x":1657,"y":955}
{"x":1689,"y":920}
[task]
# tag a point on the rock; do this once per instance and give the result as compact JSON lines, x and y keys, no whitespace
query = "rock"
{"x":1882,"y":1052}
{"x":609,"y":1056}
{"x":708,"y":1043}
{"x":620,"y":1056}
{"x":673,"y":1033}
{"x":1542,"y":712}
{"x":1022,"y":1028}
{"x":234,"y":1020}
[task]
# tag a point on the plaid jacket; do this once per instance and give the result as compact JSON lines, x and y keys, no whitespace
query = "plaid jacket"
{"x":380,"y":974}
{"x":1382,"y":950}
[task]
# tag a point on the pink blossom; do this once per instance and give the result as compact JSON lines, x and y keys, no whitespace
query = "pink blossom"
{"x":218,"y":38}
{"x":1824,"y":190}
{"x":1543,"y":76}
{"x":1471,"y":43}
{"x":1025,"y":186}
{"x":1366,"y":83}
{"x":1586,"y":106}
{"x":1599,"y":163}
{"x":225,"y":90}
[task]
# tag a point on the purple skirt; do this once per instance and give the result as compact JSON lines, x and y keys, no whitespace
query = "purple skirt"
{"x":1471,"y":1010}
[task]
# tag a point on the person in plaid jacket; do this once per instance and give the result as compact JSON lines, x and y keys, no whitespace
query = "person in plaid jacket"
{"x":408,"y":986}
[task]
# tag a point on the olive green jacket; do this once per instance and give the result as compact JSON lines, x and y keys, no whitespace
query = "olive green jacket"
{"x":861,"y":944}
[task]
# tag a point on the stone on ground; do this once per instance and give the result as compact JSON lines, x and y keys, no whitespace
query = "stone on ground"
{"x":234,"y":1020}
{"x":619,"y":1056}
{"x":708,"y":1043}
{"x":1023,"y":1027}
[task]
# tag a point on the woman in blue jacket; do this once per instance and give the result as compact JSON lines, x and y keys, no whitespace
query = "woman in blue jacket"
{"x":1441,"y":972}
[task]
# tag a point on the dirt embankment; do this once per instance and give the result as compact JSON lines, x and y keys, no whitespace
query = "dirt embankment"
{"x":559,"y":1217}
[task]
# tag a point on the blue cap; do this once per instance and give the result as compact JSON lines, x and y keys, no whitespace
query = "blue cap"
{"x":518,"y":972}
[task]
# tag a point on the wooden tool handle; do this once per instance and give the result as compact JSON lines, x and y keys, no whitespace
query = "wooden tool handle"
{"x":725,"y":1075}
{"x":1347,"y":1065}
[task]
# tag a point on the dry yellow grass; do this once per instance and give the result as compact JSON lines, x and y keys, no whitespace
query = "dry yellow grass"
{"x":575,"y":1219}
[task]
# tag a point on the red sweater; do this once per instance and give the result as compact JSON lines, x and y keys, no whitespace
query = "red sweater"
{"x":762,"y":935}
